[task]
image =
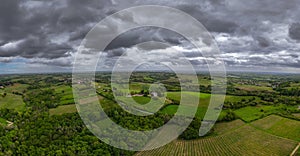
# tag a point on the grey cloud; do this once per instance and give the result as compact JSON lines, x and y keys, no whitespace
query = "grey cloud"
{"x":51,"y":30}
{"x":6,"y":59}
{"x":263,"y":42}
{"x":35,"y":23}
{"x":35,"y":47}
{"x":134,"y":37}
{"x":60,"y":62}
{"x":294,"y":31}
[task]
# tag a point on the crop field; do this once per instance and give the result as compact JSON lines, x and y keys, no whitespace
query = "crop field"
{"x":255,"y":88}
{"x":224,"y":127}
{"x":63,"y":110}
{"x":245,"y":140}
{"x":266,"y":122}
{"x":279,"y":126}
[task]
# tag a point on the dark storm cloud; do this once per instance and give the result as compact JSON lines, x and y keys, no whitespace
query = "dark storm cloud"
{"x":35,"y":47}
{"x":133,"y":37}
{"x":263,"y":42}
{"x":212,"y":23}
{"x":294,"y":31}
{"x":34,"y":29}
{"x":51,"y":30}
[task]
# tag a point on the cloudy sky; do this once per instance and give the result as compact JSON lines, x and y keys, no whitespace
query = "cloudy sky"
{"x":256,"y":35}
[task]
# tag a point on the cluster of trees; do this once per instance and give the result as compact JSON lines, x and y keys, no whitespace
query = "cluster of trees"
{"x":205,"y":89}
{"x":42,"y":99}
{"x":18,"y":93}
{"x":41,"y":134}
{"x":4,"y":94}
{"x":278,"y":99}
{"x":240,"y":104}
{"x":192,"y":132}
{"x":6,"y":83}
{"x":229,"y":116}
{"x":289,"y":92}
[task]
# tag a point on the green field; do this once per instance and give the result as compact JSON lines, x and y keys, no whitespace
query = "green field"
{"x":16,"y":87}
{"x":63,"y":109}
{"x":253,"y":113}
{"x":141,"y":99}
{"x":66,"y":94}
{"x":176,"y":96}
{"x":246,"y":113}
{"x":12,"y":101}
{"x":279,"y":126}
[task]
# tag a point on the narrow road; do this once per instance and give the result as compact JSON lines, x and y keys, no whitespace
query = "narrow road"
{"x":295,"y":150}
{"x":9,"y":123}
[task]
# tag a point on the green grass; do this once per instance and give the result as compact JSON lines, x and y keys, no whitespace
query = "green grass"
{"x":66,"y":94}
{"x":253,"y":113}
{"x":141,"y":99}
{"x":170,"y":109}
{"x":12,"y":101}
{"x":176,"y":96}
{"x":16,"y":87}
{"x":63,"y":109}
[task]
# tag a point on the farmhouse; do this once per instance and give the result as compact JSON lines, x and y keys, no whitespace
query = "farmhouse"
{"x":154,"y":94}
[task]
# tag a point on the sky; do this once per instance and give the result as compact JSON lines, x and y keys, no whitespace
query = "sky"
{"x":44,"y":36}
